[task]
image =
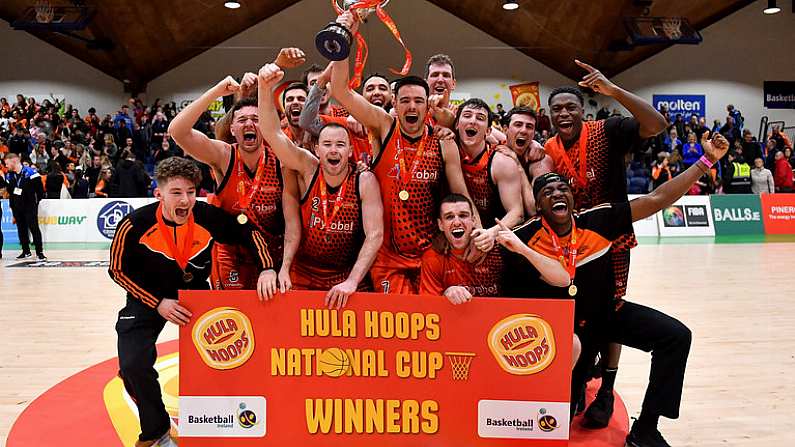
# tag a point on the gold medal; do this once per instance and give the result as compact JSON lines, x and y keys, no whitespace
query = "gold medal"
{"x":403,"y":195}
{"x":572,"y":290}
{"x":187,"y":277}
{"x":242,"y":219}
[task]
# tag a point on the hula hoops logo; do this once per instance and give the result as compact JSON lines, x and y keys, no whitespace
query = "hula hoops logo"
{"x":223,"y":338}
{"x":111,"y":215}
{"x":522,"y":344}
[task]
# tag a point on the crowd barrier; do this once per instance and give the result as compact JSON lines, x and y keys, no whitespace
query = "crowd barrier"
{"x":95,"y":220}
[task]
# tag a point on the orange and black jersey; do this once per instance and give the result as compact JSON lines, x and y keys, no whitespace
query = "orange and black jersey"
{"x":141,"y":263}
{"x":443,"y":269}
{"x":481,"y":186}
{"x":596,"y":229}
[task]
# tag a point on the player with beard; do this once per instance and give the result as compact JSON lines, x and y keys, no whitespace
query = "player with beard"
{"x":591,"y":154}
{"x":491,"y":177}
{"x":525,"y":150}
{"x":320,"y":94}
{"x":445,"y":271}
{"x":293,"y":99}
{"x":340,"y":210}
{"x":412,"y":166}
{"x":583,"y":241}
{"x":375,"y":89}
{"x":287,"y":58}
{"x":248,"y":176}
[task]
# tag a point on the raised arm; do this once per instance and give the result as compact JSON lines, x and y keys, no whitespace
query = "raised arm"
{"x":673,"y":189}
{"x":369,"y":115}
{"x":650,"y":120}
{"x":195,"y":143}
{"x":292,"y":156}
{"x":552,"y":271}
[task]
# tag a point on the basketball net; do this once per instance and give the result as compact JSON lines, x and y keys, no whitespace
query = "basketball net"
{"x":44,"y":11}
{"x":672,"y":28}
{"x":460,"y":362}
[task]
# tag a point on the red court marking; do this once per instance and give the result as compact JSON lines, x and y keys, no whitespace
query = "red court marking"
{"x":73,"y":413}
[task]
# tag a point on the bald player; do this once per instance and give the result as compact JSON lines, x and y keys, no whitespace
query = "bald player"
{"x":412,"y":166}
{"x":340,"y":210}
{"x":248,"y":180}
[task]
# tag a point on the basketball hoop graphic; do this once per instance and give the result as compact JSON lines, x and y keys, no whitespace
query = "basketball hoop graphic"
{"x":460,"y":362}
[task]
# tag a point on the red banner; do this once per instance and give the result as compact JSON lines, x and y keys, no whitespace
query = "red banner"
{"x":387,"y":370}
{"x":778,"y":213}
{"x":526,"y":95}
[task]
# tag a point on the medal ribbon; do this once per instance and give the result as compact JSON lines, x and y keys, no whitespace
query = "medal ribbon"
{"x":181,"y":256}
{"x":571,"y":264}
{"x":405,"y":179}
{"x":246,"y":198}
{"x":582,"y":178}
{"x":361,"y":44}
{"x":324,"y":199}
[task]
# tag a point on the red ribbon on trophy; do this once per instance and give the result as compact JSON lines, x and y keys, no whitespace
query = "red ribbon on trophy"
{"x":361,"y":44}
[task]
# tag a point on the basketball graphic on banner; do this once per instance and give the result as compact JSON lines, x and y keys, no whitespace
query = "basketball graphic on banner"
{"x":333,"y":362}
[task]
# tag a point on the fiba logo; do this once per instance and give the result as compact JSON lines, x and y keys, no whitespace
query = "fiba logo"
{"x":111,"y":215}
{"x":245,"y":417}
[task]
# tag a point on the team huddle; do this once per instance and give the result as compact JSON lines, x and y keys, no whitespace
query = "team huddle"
{"x":395,"y":190}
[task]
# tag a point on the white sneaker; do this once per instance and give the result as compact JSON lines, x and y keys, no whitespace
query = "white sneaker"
{"x":165,"y":441}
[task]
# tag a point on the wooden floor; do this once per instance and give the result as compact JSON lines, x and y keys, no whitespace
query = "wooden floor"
{"x":737,"y":299}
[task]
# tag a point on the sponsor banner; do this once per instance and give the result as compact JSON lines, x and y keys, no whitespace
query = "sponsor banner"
{"x":523,"y":420}
{"x":778,"y":213}
{"x":222,"y":416}
{"x":687,"y":105}
{"x":63,"y":220}
{"x":647,"y":226}
{"x":737,"y":214}
{"x":526,"y":95}
{"x":386,"y":370}
{"x":9,"y":230}
{"x":779,"y":94}
{"x":689,"y":216}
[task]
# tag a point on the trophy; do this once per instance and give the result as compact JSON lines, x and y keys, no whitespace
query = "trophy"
{"x":334,"y":41}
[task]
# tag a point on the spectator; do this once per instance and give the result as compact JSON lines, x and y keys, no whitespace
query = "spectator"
{"x":661,"y":173}
{"x":130,"y":178}
{"x":603,"y":113}
{"x":159,"y":129}
{"x":737,"y":175}
{"x":543,"y":121}
{"x":751,"y":148}
{"x":679,"y":124}
{"x":697,"y":126}
{"x":102,"y":189}
{"x":110,"y":149}
{"x":92,"y":172}
{"x":589,"y":117}
{"x":55,"y":182}
{"x":730,"y":131}
{"x":500,"y":111}
{"x":716,"y":125}
{"x":788,"y":155}
{"x":737,"y":117}
{"x":672,"y":142}
{"x":80,"y":185}
{"x":92,"y":121}
{"x":783,"y":177}
{"x":761,"y":178}
{"x":19,"y":143}
{"x":781,"y":139}
{"x":40,"y":158}
{"x":637,"y":178}
{"x":692,"y":151}
{"x":770,"y":154}
{"x":164,"y":151}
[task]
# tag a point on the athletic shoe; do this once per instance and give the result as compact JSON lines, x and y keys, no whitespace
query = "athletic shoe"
{"x":601,"y":410}
{"x":24,"y":255}
{"x":164,"y":441}
{"x":41,"y":256}
{"x":645,"y":438}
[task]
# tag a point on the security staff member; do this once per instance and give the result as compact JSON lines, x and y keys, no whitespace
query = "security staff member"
{"x":157,"y":250}
{"x":25,"y":191}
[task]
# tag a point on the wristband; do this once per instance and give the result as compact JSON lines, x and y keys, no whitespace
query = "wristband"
{"x":706,"y":161}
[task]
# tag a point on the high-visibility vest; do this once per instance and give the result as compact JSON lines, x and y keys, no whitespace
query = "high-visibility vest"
{"x":741,"y":170}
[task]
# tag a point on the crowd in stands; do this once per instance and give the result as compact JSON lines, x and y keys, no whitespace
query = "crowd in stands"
{"x":85,"y":155}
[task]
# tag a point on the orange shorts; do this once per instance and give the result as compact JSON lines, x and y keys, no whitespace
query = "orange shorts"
{"x":305,"y":277}
{"x":233,"y":269}
{"x":397,"y":274}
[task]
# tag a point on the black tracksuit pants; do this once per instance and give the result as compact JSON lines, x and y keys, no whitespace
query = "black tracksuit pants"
{"x":649,"y":330}
{"x":138,"y":326}
{"x":27,"y":217}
